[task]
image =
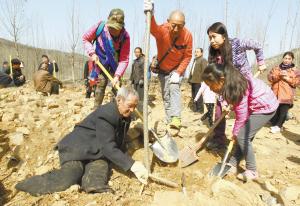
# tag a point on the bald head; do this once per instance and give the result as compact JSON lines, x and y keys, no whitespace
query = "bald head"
{"x":177,"y":15}
{"x":176,"y":23}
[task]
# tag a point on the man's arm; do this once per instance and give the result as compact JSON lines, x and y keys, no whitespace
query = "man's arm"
{"x":52,"y":78}
{"x":124,"y":56}
{"x":105,"y":141}
{"x":155,"y":30}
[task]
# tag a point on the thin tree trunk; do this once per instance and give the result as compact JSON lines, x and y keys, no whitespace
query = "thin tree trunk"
{"x":294,"y":26}
{"x":287,"y":22}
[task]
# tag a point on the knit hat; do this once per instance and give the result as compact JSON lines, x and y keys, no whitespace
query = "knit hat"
{"x":115,"y":19}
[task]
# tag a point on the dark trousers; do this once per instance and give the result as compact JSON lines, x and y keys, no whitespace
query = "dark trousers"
{"x":197,"y":106}
{"x":219,"y":136}
{"x":280,"y":115}
{"x":54,"y":88}
{"x":140,"y":91}
{"x":100,"y":90}
{"x":209,"y":113}
{"x":93,"y":176}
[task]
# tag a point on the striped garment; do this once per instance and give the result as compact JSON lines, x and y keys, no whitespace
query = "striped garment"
{"x":239,"y":56}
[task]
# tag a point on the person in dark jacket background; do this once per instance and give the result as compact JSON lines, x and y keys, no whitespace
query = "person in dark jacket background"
{"x":199,"y":65}
{"x":45,"y":60}
{"x":84,"y":153}
{"x":137,"y":73}
{"x":17,"y":76}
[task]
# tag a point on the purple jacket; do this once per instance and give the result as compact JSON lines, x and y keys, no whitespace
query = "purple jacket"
{"x":239,"y":56}
{"x":259,"y":99}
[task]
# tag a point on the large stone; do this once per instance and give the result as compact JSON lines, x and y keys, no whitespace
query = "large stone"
{"x":230,"y":192}
{"x":184,"y":133}
{"x":172,"y":131}
{"x":23,"y":130}
{"x":9,"y":116}
{"x":268,"y":186}
{"x":61,"y":203}
{"x":160,"y":128}
{"x":17,"y":139}
{"x":291,"y":193}
{"x":53,"y":105}
{"x":132,"y":134}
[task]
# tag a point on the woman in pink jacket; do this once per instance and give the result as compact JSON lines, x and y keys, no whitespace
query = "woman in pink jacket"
{"x":112,"y":50}
{"x":254,"y":104}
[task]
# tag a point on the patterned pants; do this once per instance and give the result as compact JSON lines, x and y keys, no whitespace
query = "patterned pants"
{"x":100,"y":90}
{"x":209,"y":113}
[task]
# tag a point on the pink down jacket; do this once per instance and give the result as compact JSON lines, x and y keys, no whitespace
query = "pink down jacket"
{"x":259,"y":99}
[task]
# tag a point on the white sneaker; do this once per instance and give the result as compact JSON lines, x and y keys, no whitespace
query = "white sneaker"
{"x":275,"y":129}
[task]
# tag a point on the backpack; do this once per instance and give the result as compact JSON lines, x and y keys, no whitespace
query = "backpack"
{"x":99,"y":30}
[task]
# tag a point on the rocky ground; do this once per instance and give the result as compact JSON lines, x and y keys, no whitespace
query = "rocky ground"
{"x":31,"y":124}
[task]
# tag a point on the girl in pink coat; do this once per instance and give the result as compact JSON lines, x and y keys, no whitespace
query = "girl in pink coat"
{"x":254,"y":104}
{"x":209,"y":100}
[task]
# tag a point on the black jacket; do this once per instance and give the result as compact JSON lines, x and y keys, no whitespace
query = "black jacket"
{"x":137,"y":71}
{"x":99,"y":135}
{"x":16,"y":74}
{"x":5,"y":79}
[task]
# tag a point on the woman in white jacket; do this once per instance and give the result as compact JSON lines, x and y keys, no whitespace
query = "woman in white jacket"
{"x":209,"y":100}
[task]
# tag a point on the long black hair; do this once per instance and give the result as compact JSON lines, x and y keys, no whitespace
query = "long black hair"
{"x":220,"y":28}
{"x":235,"y":85}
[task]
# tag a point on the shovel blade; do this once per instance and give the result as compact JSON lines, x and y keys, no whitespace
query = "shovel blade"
{"x":168,"y":154}
{"x":188,"y":156}
{"x":216,"y":169}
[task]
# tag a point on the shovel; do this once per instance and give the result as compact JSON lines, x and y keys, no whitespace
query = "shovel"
{"x":220,"y":169}
{"x":165,"y":148}
{"x":189,"y":155}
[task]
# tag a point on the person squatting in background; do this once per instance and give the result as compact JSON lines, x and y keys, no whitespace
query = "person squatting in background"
{"x":254,"y":104}
{"x":90,"y":84}
{"x":112,"y":50}
{"x":137,"y":73}
{"x":284,"y":78}
{"x":223,"y":49}
{"x":209,"y":100}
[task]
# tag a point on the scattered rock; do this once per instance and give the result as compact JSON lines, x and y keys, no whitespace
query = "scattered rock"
{"x":23,"y":130}
{"x":160,"y":128}
{"x":74,"y":188}
{"x":132,"y":134}
{"x":53,"y":105}
{"x":61,"y":203}
{"x":43,"y":169}
{"x":172,"y":131}
{"x":17,"y":139}
{"x":184,"y":133}
{"x":92,"y":203}
{"x":291,"y":193}
{"x":56,"y":196}
{"x":9,"y":116}
{"x":268,"y":186}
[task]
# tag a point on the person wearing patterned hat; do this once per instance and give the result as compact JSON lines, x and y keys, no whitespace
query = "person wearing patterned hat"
{"x":112,"y":50}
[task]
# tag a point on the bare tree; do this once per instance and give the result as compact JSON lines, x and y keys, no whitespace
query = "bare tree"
{"x":13,"y":20}
{"x":294,"y":26}
{"x":270,"y":14}
{"x":287,"y":23}
{"x":226,"y":11}
{"x":74,"y":34}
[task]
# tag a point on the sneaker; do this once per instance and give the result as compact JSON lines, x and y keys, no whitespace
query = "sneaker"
{"x":175,"y":122}
{"x":213,"y":145}
{"x":275,"y":129}
{"x":248,"y":175}
{"x":200,"y":123}
{"x":233,"y":169}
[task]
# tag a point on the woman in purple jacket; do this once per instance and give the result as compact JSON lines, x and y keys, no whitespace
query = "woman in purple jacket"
{"x":254,"y":104}
{"x":223,"y":49}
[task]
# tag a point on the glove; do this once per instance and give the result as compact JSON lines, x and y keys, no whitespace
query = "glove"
{"x":140,"y":172}
{"x":174,"y":78}
{"x":130,"y":82}
{"x":149,"y":6}
{"x":141,"y":82}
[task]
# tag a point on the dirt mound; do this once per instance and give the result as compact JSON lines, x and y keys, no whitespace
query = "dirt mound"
{"x":31,"y":124}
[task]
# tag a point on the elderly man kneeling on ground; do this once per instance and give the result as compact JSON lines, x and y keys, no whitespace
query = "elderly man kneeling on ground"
{"x":85,"y":153}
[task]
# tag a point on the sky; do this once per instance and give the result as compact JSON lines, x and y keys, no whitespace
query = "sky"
{"x":47,"y":22}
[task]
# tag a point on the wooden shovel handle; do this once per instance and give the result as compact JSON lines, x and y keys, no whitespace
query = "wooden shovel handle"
{"x":256,"y":75}
{"x":199,"y":144}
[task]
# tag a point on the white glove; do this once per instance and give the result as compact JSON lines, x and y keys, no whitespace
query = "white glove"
{"x":149,"y":6}
{"x":140,"y":172}
{"x":174,"y":78}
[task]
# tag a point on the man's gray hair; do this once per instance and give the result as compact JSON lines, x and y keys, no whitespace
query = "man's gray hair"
{"x":124,"y":92}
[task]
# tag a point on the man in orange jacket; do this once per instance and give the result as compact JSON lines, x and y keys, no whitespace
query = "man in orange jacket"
{"x":172,"y":67}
